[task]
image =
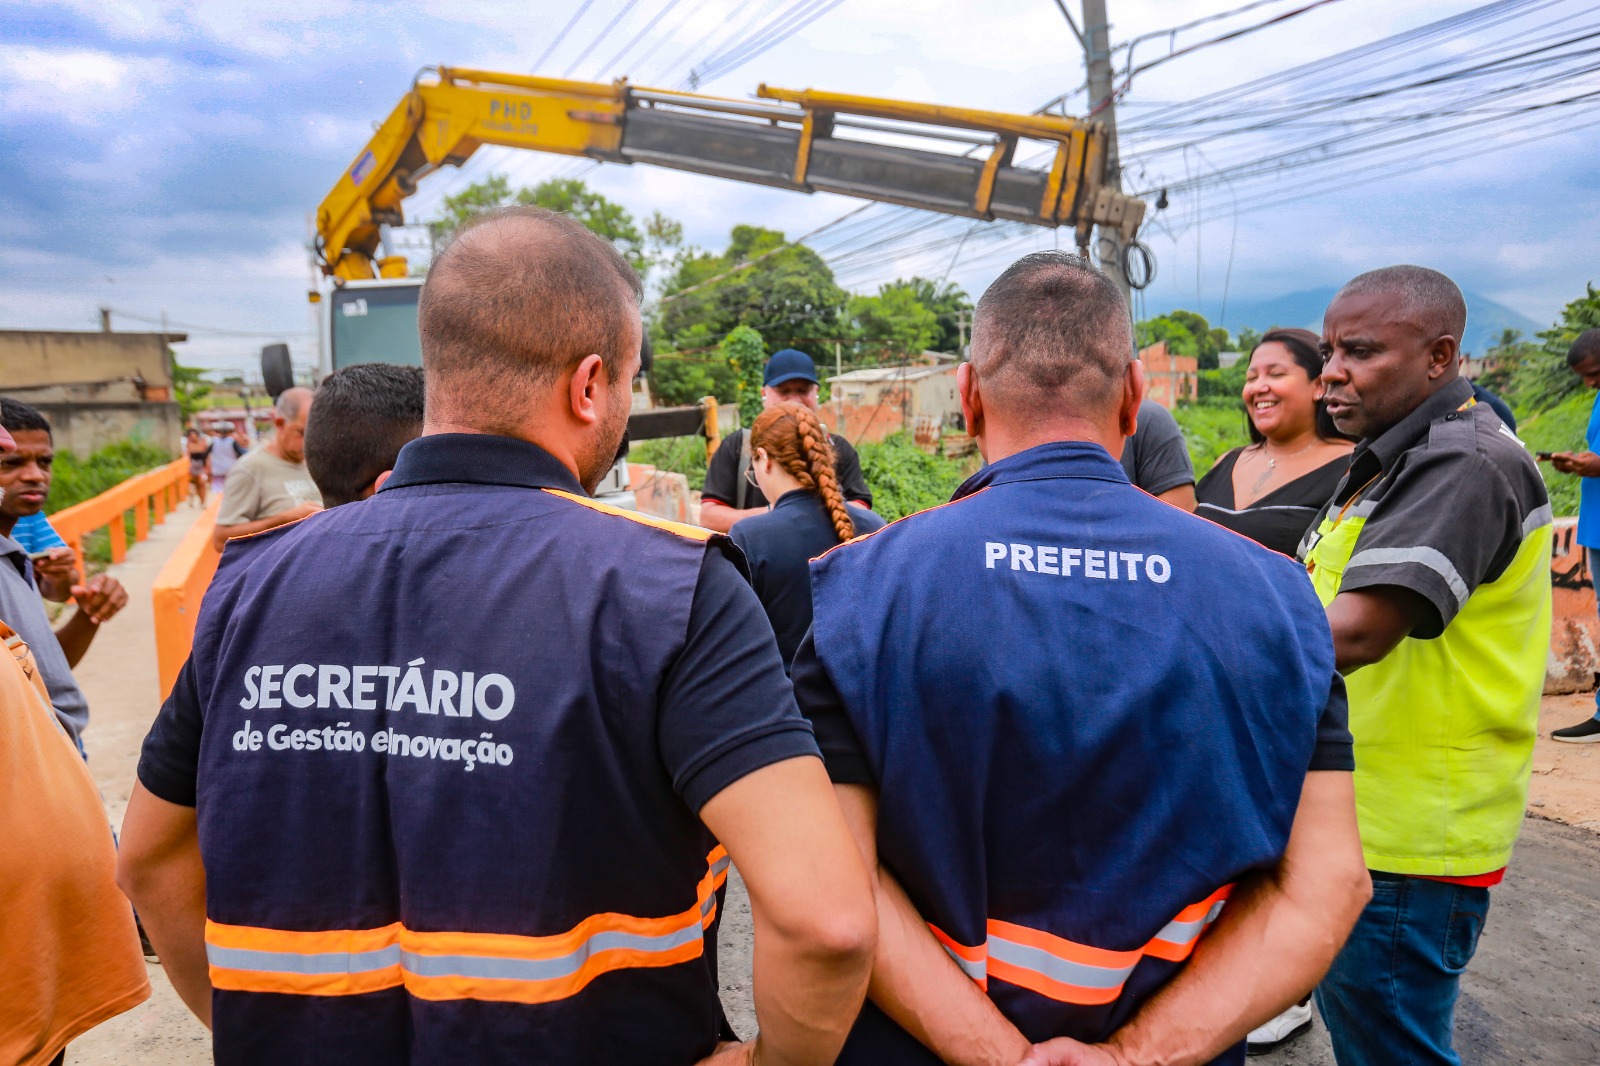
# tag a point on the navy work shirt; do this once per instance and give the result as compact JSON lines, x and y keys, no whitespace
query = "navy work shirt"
{"x":1086,"y":712}
{"x":447,"y":748}
{"x":779,"y":546}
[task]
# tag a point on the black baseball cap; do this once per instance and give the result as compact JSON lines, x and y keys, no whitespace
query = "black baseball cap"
{"x":790,"y":365}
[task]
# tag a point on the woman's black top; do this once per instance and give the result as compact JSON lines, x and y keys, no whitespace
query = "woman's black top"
{"x":779,"y":546}
{"x":1280,"y":518}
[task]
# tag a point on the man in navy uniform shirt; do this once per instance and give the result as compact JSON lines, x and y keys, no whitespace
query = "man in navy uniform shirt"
{"x":389,"y":818}
{"x":1074,"y":726}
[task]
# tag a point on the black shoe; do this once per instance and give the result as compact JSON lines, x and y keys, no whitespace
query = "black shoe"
{"x":1587,"y":732}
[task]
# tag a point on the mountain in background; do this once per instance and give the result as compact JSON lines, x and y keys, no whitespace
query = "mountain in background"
{"x":1485,"y":318}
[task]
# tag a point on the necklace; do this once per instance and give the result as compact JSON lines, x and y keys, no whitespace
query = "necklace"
{"x":1272,"y":465}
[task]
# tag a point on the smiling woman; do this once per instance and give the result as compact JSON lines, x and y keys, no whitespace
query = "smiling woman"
{"x":1271,"y":489}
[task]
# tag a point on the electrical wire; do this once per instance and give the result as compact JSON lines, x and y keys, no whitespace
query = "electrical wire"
{"x":573,"y":21}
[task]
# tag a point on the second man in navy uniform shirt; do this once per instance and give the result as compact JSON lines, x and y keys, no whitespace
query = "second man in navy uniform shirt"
{"x":1086,"y":735}
{"x":391,"y":817}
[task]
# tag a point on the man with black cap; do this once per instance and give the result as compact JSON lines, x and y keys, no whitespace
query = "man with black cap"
{"x":730,"y":494}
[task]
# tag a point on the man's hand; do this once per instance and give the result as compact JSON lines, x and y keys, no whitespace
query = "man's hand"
{"x":1067,"y":1052}
{"x":729,"y":1053}
{"x":55,"y":574}
{"x":101,"y":598}
{"x":1584,"y":464}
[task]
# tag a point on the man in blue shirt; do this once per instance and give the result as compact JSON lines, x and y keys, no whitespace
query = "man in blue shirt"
{"x":1074,"y":726}
{"x":1584,"y":359}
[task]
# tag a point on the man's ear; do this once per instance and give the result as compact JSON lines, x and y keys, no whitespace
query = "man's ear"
{"x":586,"y":390}
{"x":1442,"y":355}
{"x":971,"y":399}
{"x":377,"y":483}
{"x":1133,"y":393}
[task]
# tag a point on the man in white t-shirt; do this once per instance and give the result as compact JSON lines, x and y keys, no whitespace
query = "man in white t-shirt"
{"x":226,"y":449}
{"x":271,"y":486}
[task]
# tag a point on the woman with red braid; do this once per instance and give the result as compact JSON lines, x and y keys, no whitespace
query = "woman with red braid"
{"x":792,"y":463}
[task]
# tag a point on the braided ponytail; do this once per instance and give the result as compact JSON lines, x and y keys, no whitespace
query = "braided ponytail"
{"x":791,"y":434}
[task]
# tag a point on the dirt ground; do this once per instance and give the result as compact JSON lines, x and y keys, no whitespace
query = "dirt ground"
{"x":1530,"y":996}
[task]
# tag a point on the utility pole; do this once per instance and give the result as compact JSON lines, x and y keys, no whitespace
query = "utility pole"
{"x":1096,"y":41}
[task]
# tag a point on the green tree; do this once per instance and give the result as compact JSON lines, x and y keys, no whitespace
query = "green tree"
{"x":188,"y":387}
{"x":654,"y":245}
{"x":1186,"y":333}
{"x":787,"y":294}
{"x":1247,"y":340}
{"x":891,"y":325}
{"x":1542,"y":379}
{"x":949,"y":303}
{"x":745,"y":353}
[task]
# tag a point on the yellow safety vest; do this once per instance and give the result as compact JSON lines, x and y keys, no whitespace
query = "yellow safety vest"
{"x":1444,"y":728}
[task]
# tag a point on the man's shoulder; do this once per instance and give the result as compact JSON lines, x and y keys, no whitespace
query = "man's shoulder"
{"x":841,"y":445}
{"x":1484,"y":446}
{"x":619,"y":521}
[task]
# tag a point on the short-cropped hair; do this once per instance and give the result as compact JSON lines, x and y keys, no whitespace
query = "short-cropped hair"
{"x":19,"y":417}
{"x":517,"y":297}
{"x":1053,"y":324}
{"x":1585,"y":348}
{"x":1424,"y":297}
{"x":363,"y":416}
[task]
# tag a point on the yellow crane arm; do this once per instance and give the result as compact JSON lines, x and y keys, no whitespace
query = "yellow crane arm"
{"x":788,"y":139}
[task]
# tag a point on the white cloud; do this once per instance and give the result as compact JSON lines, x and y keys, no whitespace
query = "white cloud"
{"x":83,"y":86}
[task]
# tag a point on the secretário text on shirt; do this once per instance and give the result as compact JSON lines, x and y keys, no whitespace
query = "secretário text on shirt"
{"x":327,"y":687}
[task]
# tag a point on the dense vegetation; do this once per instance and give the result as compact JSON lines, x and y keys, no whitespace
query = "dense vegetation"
{"x":714,"y":316}
{"x":76,"y":480}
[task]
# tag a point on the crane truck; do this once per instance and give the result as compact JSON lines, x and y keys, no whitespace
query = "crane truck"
{"x":801,"y":140}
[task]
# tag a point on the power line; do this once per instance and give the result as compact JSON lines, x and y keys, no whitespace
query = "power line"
{"x":627,"y":6}
{"x":573,"y":21}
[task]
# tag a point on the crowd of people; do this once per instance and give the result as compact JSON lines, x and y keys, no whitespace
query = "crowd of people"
{"x":1056,"y":773}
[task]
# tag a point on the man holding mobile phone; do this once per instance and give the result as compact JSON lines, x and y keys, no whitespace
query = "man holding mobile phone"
{"x":1584,"y":360}
{"x":25,"y":475}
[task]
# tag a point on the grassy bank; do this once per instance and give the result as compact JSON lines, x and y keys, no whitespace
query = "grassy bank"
{"x":76,"y":480}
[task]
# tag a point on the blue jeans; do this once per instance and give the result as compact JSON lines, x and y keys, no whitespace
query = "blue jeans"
{"x":1390,"y":997}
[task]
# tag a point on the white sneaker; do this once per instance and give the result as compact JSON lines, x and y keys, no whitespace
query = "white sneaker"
{"x":1286,"y":1026}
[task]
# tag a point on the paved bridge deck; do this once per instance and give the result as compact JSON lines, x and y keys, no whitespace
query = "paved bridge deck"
{"x":1532,"y":995}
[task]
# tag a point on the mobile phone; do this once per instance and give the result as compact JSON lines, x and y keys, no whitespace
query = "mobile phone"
{"x":1544,"y":457}
{"x":40,"y":556}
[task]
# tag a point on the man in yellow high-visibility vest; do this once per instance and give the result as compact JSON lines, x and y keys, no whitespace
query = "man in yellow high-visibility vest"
{"x":1433,"y":562}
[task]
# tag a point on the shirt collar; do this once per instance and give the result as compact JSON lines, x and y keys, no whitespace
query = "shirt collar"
{"x":792,"y":497}
{"x":1058,"y":459}
{"x":1384,"y":449}
{"x":479,"y":459}
{"x":16,"y":556}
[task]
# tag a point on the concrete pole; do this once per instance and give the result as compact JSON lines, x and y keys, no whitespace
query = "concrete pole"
{"x":1103,"y":108}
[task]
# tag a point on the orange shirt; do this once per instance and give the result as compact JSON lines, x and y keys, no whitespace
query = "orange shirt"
{"x":69,"y":955}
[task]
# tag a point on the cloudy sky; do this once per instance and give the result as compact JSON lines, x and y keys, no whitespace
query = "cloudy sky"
{"x":164,"y":157}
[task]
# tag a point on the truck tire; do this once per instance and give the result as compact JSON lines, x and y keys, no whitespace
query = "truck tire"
{"x":277,"y":373}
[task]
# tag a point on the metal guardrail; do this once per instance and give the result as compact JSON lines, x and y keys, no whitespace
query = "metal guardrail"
{"x":175,"y":597}
{"x":149,"y":496}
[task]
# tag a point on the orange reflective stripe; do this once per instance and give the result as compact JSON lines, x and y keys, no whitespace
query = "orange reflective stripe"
{"x":498,"y":967}
{"x":974,"y":962}
{"x":1176,"y":941}
{"x":1070,"y":972}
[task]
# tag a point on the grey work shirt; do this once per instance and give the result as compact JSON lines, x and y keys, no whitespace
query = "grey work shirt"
{"x":1446,"y":496}
{"x":23,"y":610}
{"x":1155,"y":458}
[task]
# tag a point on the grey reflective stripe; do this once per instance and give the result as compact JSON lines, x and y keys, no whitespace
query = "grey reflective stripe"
{"x":1363,"y":509}
{"x":1541,"y":516}
{"x":326,"y":962}
{"x":1431,"y":558}
{"x":1181,"y":933}
{"x":1057,"y":968}
{"x":978,"y":971}
{"x":497,"y":968}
